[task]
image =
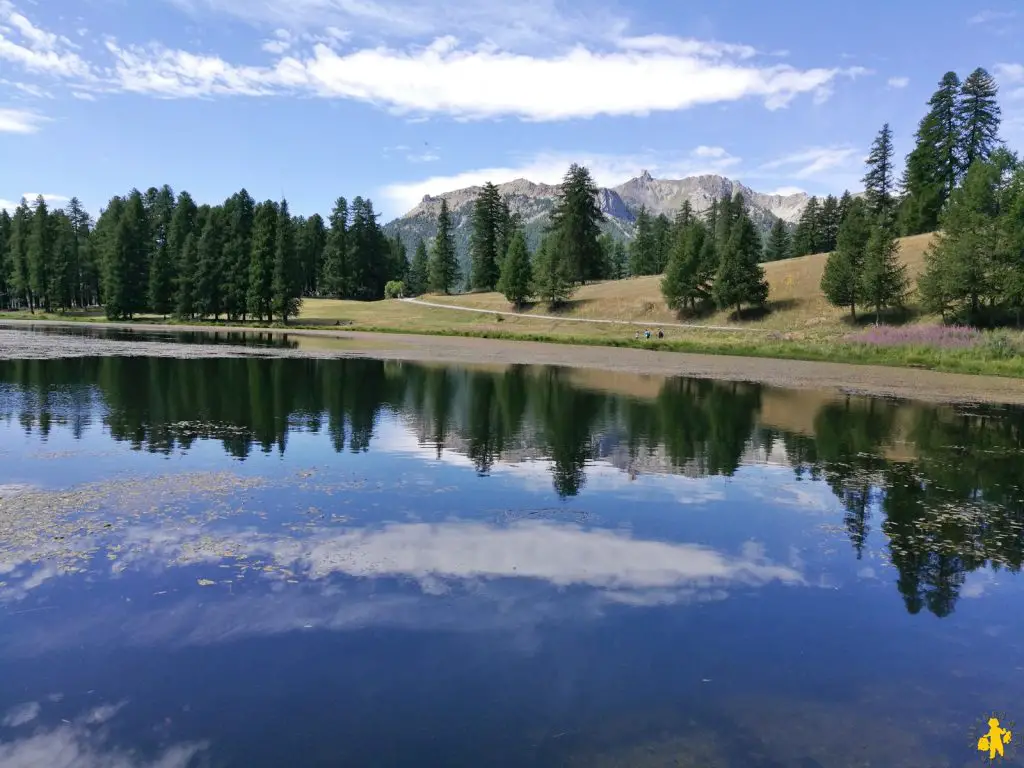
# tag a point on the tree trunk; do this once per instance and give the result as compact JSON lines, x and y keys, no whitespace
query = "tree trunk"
{"x":853,"y":311}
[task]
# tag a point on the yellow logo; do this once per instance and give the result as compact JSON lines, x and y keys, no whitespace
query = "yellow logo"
{"x":994,"y":742}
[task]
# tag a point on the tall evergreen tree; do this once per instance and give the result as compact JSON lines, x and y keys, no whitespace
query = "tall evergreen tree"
{"x":337,"y":275}
{"x":188,"y":262}
{"x":643,"y":250}
{"x":516,"y":281}
{"x":444,"y":265}
{"x":162,"y":266}
{"x":841,"y":279}
{"x":6,"y":300}
{"x":686,"y":278}
{"x":777,"y":246}
{"x":209,"y":282}
{"x":18,"y":260}
{"x":103,"y":244}
{"x":85,"y":272}
{"x":40,"y":251}
{"x":883,"y":280}
{"x":261,"y":260}
{"x":483,"y":244}
{"x":60,"y":286}
{"x":933,"y":166}
{"x":239,"y":214}
{"x":829,"y":224}
{"x":576,"y":223}
{"x":619,"y":260}
{"x":286,"y":286}
{"x":979,"y":116}
{"x":136,"y":241}
{"x":418,"y":270}
{"x":740,"y":278}
{"x":662,"y":230}
{"x":880,"y":180}
{"x":807,"y":237}
{"x":844,"y":207}
{"x":369,"y":252}
{"x":508,"y":224}
{"x":553,"y":275}
{"x":184,"y":222}
{"x":312,"y":244}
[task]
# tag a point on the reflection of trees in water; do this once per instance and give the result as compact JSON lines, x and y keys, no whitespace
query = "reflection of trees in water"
{"x":954,"y":507}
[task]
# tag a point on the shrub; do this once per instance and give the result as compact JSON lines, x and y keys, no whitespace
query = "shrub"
{"x":395,"y":289}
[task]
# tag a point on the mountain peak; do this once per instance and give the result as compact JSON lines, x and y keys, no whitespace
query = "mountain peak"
{"x":645,"y":175}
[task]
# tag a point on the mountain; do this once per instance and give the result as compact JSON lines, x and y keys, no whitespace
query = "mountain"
{"x":533,"y":202}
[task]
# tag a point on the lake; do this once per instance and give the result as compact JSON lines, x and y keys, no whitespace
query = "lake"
{"x":246,"y":557}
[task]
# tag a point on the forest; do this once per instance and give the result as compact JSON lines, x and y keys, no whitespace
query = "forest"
{"x":159,"y":252}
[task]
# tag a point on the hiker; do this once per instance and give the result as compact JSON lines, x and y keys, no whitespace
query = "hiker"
{"x":647,"y":333}
{"x":637,"y":335}
{"x":661,"y":334}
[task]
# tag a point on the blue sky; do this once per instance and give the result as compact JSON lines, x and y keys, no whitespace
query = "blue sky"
{"x":312,"y":99}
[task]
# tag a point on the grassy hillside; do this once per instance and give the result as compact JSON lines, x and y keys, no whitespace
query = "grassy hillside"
{"x":795,"y":296}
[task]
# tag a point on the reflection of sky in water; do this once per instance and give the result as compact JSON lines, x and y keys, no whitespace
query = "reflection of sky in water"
{"x":392,"y":609}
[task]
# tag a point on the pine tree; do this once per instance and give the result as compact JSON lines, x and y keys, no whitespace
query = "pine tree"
{"x":516,"y":278}
{"x":508,"y":224}
{"x":444,"y":264}
{"x":841,"y":279}
{"x":40,"y":246}
{"x":552,"y":274}
{"x":103,"y":244}
{"x":162,"y":272}
{"x":209,"y":281}
{"x":286,"y":286}
{"x":807,"y":237}
{"x":239,"y":213}
{"x":312,"y":243}
{"x":844,"y":208}
{"x":261,"y":260}
{"x":879,"y":181}
{"x":84,"y":269}
{"x":933,"y":166}
{"x":684,"y":281}
{"x":662,"y":230}
{"x":60,"y":287}
{"x":483,"y":244}
{"x":979,"y":116}
{"x":398,"y":264}
{"x":136,"y":242}
{"x":576,"y":223}
{"x":883,"y":280}
{"x":620,"y":260}
{"x":777,"y":246}
{"x":336,"y":279}
{"x":6,"y":300}
{"x":418,"y":271}
{"x":368,"y":252}
{"x":828,"y":220}
{"x":1010,"y":258}
{"x":740,"y":278}
{"x":184,"y":222}
{"x":643,"y":251}
{"x":21,"y":234}
{"x":188,"y":262}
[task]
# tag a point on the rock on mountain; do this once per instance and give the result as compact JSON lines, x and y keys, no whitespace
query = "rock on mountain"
{"x":533,"y":202}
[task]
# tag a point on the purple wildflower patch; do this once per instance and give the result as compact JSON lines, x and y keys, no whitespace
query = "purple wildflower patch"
{"x":939,"y":336}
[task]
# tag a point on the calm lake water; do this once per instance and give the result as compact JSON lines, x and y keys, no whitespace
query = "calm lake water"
{"x":253,"y":561}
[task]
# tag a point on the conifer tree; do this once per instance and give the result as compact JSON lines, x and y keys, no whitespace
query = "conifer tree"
{"x":136,"y":241}
{"x":807,"y":237}
{"x":661,"y":228}
{"x":418,"y":270}
{"x":286,"y":285}
{"x":841,"y":279}
{"x":21,"y":234}
{"x":336,"y":272}
{"x":576,"y":223}
{"x":444,"y":265}
{"x":239,"y":213}
{"x":484,"y":240}
{"x":643,"y":251}
{"x":261,"y":260}
{"x":979,"y":116}
{"x":508,"y":224}
{"x":6,"y":300}
{"x":844,"y":207}
{"x":620,"y":260}
{"x":883,"y":280}
{"x":879,"y":181}
{"x":83,"y":267}
{"x":60,"y":287}
{"x":740,"y":278}
{"x":516,"y":281}
{"x":552,"y":274}
{"x":40,"y":247}
{"x":209,"y":296}
{"x":933,"y":166}
{"x":188,"y":261}
{"x":777,"y":246}
{"x":829,"y":224}
{"x":368,"y":252}
{"x":103,"y":243}
{"x":184,"y":222}
{"x":1009,"y":266}
{"x":312,"y":243}
{"x":162,"y":273}
{"x":684,"y":283}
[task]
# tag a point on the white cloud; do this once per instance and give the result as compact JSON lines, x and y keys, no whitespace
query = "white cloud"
{"x":898,"y":82}
{"x":1009,"y":73}
{"x":21,"y":121}
{"x":549,"y":168}
{"x":986,"y":17}
{"x":49,"y":198}
{"x":813,"y":161}
{"x":786,"y":191}
{"x":622,"y":76}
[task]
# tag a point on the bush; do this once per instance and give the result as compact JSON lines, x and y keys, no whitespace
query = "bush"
{"x":395,"y":289}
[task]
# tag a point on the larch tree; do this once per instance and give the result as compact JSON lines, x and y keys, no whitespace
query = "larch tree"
{"x":841,"y":278}
{"x":880,"y":180}
{"x":516,"y":281}
{"x":807,"y":236}
{"x":286,"y":284}
{"x":21,"y":234}
{"x":643,"y":250}
{"x":740,"y":278}
{"x":261,"y":261}
{"x":312,"y":242}
{"x":40,"y":246}
{"x":210,"y":268}
{"x":828,"y":224}
{"x":883,"y":280}
{"x":60,"y":287}
{"x":777,"y":246}
{"x":184,"y":222}
{"x":6,"y":300}
{"x":685,"y":280}
{"x":662,"y":230}
{"x":162,"y":266}
{"x":485,"y":238}
{"x":337,"y":275}
{"x":239,"y":214}
{"x":416,"y":284}
{"x":444,"y":263}
{"x":553,"y":275}
{"x":188,"y":261}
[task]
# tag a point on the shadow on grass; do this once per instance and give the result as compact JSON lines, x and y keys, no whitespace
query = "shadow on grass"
{"x":891,"y":316}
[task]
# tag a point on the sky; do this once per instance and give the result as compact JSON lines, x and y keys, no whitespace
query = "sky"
{"x":313,"y":99}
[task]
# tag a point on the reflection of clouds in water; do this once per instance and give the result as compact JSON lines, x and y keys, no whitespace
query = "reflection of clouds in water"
{"x":77,"y":745}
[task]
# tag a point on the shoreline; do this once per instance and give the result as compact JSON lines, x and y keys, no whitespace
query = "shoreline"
{"x":842,"y":378}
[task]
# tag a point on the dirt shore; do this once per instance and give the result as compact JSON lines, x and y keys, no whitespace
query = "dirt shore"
{"x":853,"y":379}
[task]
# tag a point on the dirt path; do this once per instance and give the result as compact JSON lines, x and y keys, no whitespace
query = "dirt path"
{"x":854,"y":379}
{"x":645,"y":324}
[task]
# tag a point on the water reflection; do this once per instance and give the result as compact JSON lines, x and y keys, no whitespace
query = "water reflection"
{"x":942,"y":484}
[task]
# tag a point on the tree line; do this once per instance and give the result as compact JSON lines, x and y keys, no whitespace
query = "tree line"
{"x":164,"y":254}
{"x":951,"y":508}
